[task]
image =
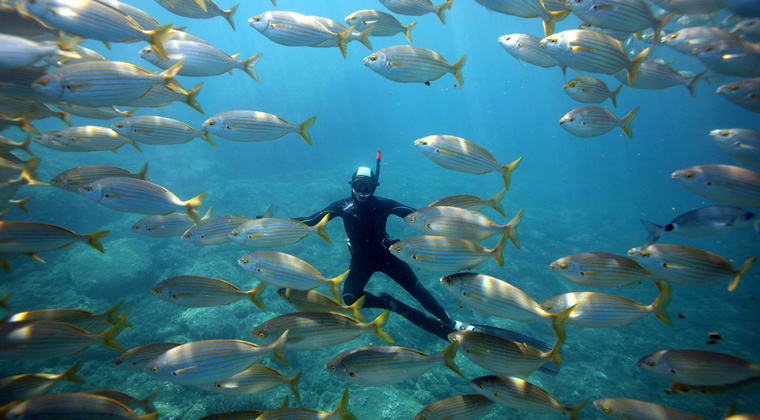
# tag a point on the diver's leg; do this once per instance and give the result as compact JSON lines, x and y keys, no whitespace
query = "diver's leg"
{"x":405,"y":277}
{"x":418,"y":318}
{"x":353,"y":287}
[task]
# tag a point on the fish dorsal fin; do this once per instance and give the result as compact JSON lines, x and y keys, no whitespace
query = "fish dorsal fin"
{"x":269,"y":212}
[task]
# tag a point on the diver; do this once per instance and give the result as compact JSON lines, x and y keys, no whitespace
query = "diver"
{"x":364,"y":218}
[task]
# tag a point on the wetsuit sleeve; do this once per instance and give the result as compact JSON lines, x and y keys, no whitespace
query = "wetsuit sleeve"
{"x":332,"y":210}
{"x":400,"y":210}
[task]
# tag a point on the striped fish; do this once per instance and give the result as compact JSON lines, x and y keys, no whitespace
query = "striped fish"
{"x":458,"y":407}
{"x":285,"y":413}
{"x":526,"y":49}
{"x":600,"y":269}
{"x":438,"y":253}
{"x":93,"y":19}
{"x":199,"y":59}
{"x":688,"y":40}
{"x":103,"y":83}
{"x":17,"y":83}
{"x":86,"y":138}
{"x":699,"y":367}
{"x":204,"y":362}
{"x":504,"y":356}
{"x":7,"y":145}
{"x":335,"y":26}
{"x":733,"y":58}
{"x":462,"y":155}
{"x":96,"y":113}
{"x":256,"y":378}
{"x":145,"y":404}
{"x":724,"y":183}
{"x":25,"y":237}
{"x":48,"y":339}
{"x":691,"y":6}
{"x":602,"y":310}
{"x":628,"y":409}
{"x":138,"y":196}
{"x":411,"y":64}
{"x":499,"y":298}
{"x":204,"y":292}
{"x":739,"y":143}
{"x":527,"y":9}
{"x":254,"y":126}
{"x":137,"y":358}
{"x":621,"y":15}
{"x":10,"y":170}
{"x":161,"y":95}
{"x":214,"y":230}
{"x":681,"y":264}
{"x":294,"y":30}
{"x":72,"y":179}
{"x":273,"y":231}
{"x":84,"y":54}
{"x":704,"y":221}
{"x":592,"y":121}
{"x":418,"y":7}
{"x":28,"y":386}
{"x":77,"y":317}
{"x":21,"y":52}
{"x":471,"y":202}
{"x":198,"y":9}
{"x":385,"y":365}
{"x":656,"y":76}
{"x":518,"y":394}
{"x":150,"y":129}
{"x":167,"y":225}
{"x":311,"y":300}
{"x":743,"y":93}
{"x":75,"y":406}
{"x":714,"y":390}
{"x":144,"y":19}
{"x":383,"y":24}
{"x":621,"y":36}
{"x":592,"y":51}
{"x":454,"y":222}
{"x":316,"y":330}
{"x":590,"y":90}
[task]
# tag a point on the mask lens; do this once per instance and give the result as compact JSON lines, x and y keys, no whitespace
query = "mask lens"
{"x":363,"y":185}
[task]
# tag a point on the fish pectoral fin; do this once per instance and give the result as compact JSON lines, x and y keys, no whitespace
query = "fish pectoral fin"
{"x":395,"y":63}
{"x":474,"y":297}
{"x":76,"y":86}
{"x":423,"y":257}
{"x":730,"y":56}
{"x":445,"y":152}
{"x":184,"y":370}
{"x":181,"y":295}
{"x":61,"y":11}
{"x":255,"y":235}
{"x":579,"y":48}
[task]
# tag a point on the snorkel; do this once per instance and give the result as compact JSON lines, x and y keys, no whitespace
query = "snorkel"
{"x":377,"y":169}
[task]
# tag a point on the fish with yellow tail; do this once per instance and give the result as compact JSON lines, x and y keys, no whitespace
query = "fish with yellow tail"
{"x":274,"y":231}
{"x":44,"y":339}
{"x":21,"y":237}
{"x":412,"y":64}
{"x":459,"y":407}
{"x":385,"y":365}
{"x":297,"y":30}
{"x":724,"y":183}
{"x":199,"y":9}
{"x":681,"y":264}
{"x":471,"y":202}
{"x":453,"y":222}
{"x":204,"y":362}
{"x":72,"y":179}
{"x":462,"y":155}
{"x":593,"y":121}
{"x":526,"y":49}
{"x":137,"y":196}
{"x":499,"y":298}
{"x":418,"y":7}
{"x":256,"y":378}
{"x":287,"y":413}
{"x":27,"y":386}
{"x":136,"y":358}
{"x":200,"y":59}
{"x":167,"y":225}
{"x":204,"y":292}
{"x":160,"y":95}
{"x":699,"y":367}
{"x":150,"y":129}
{"x":77,"y":317}
{"x":316,"y":330}
{"x":518,"y":394}
{"x":590,"y":90}
{"x":600,"y":269}
{"x":383,"y":24}
{"x":442,"y":254}
{"x":311,"y":300}
{"x":245,"y":126}
{"x":504,"y":356}
{"x":74,"y":406}
{"x":628,"y":409}
{"x":621,"y":15}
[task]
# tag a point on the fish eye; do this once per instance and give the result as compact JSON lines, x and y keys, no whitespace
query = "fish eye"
{"x":234,"y":233}
{"x":352,"y":374}
{"x":412,"y":219}
{"x":398,"y":249}
{"x":563,"y":266}
{"x":645,"y":254}
{"x":210,"y":123}
{"x":373,"y":58}
{"x":651,"y":364}
{"x":262,"y":335}
{"x":571,"y":84}
{"x":606,"y":409}
{"x":157,"y":290}
{"x":259,"y":270}
{"x":424,"y":142}
{"x":449,"y":282}
{"x":117,"y":363}
{"x":119,"y":125}
{"x":548,"y":307}
{"x":58,"y":135}
{"x":42,"y":82}
{"x":724,"y":133}
{"x":229,"y":127}
{"x":332,"y":367}
{"x":571,"y":119}
{"x":87,"y":188}
{"x":707,"y":48}
{"x":480,"y":386}
{"x":153,"y":369}
{"x":256,"y":18}
{"x":673,"y":36}
{"x":244,"y":261}
{"x":690,"y":175}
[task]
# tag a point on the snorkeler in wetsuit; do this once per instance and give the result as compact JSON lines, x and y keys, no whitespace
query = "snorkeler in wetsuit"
{"x":364,"y":217}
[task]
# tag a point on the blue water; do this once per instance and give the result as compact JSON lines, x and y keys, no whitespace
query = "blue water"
{"x":579,"y":195}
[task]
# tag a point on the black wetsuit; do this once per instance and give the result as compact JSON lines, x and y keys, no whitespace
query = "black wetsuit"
{"x":368,"y":241}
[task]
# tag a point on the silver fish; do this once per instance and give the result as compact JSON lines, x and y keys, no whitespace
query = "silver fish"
{"x":25,"y":237}
{"x":699,"y":367}
{"x":248,"y":126}
{"x":161,"y":95}
{"x":136,"y":358}
{"x":724,"y":183}
{"x":72,"y":179}
{"x":418,"y":7}
{"x":689,"y":40}
{"x":48,"y":339}
{"x":149,"y":129}
{"x":199,"y":9}
{"x":75,"y":406}
{"x":657,"y":76}
{"x":600,"y":269}
{"x":593,"y":121}
{"x":383,"y":24}
{"x":518,"y":394}
{"x":739,"y":143}
{"x":527,"y":9}
{"x":275,"y":231}
{"x":199,"y":59}
{"x":294,"y":29}
{"x":256,"y":378}
{"x":28,"y":386}
{"x":458,"y":407}
{"x":21,"y":52}
{"x":86,"y":138}
{"x":622,"y":15}
{"x":470,"y":202}
{"x":204,"y":292}
{"x":734,"y":58}
{"x":214,"y":230}
{"x":628,"y":409}
{"x":167,"y":225}
{"x":590,"y":90}
{"x":502,"y":355}
{"x":441,"y":254}
{"x":745,"y":93}
{"x":412,"y":64}
{"x":454,"y":222}
{"x":704,"y":221}
{"x":526,"y":48}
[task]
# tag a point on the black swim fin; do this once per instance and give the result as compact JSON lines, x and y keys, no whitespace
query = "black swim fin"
{"x":549,"y":368}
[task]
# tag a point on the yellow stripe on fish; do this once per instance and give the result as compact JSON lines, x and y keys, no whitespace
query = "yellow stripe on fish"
{"x":418,"y":7}
{"x":214,"y":230}
{"x":136,"y":358}
{"x":311,"y":300}
{"x":724,"y":183}
{"x":285,"y":413}
{"x":294,"y":29}
{"x":78,"y":317}
{"x":274,"y":231}
{"x":471,"y":202}
{"x":167,"y":225}
{"x":699,"y":367}
{"x":79,"y":406}
{"x":438,"y":253}
{"x":256,"y":378}
{"x":454,"y":222}
{"x":27,"y":386}
{"x":628,"y":409}
{"x":30,"y":237}
{"x":412,"y":64}
{"x":74,"y":178}
{"x":600,"y":269}
{"x":247,"y":126}
{"x":47,"y":339}
{"x":150,"y":129}
{"x":462,"y":155}
{"x":518,"y":394}
{"x":502,"y":355}
{"x":459,"y":407}
{"x":204,"y":292}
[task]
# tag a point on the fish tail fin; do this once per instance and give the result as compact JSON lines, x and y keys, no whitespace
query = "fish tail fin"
{"x":379,"y":325}
{"x":512,"y":228}
{"x":343,"y":39}
{"x":31,"y":168}
{"x":575,"y":411}
{"x":356,"y":307}
{"x":254,"y":296}
{"x":26,"y":145}
{"x":458,"y":69}
{"x":143,"y":174}
{"x":26,"y":124}
{"x":279,"y":346}
{"x":556,"y":353}
{"x":201,"y":4}
{"x":112,"y":315}
{"x":109,"y":336}
{"x":735,"y":282}
{"x":191,"y":100}
{"x":449,"y":354}
{"x":93,"y":240}
{"x":342,"y":410}
{"x":228,"y":14}
{"x":135,"y":145}
{"x":441,"y":10}
{"x":660,"y":25}
{"x":633,"y":72}
{"x":123,"y":317}
{"x":499,"y":249}
{"x":169,"y":74}
{"x":613,"y":96}
{"x":303,"y":129}
{"x":692,"y":85}
{"x":71,"y":374}
{"x":208,"y":138}
{"x":65,"y":117}
{"x":149,"y":407}
{"x":248,"y":65}
{"x":336,"y":286}
{"x":364,"y":37}
{"x":661,"y":304}
{"x":322,"y":232}
{"x":157,"y":38}
{"x":30,"y":177}
{"x":293,"y":383}
{"x":5,"y":306}
{"x":192,"y":208}
{"x":508,"y":169}
{"x":655,"y":232}
{"x":627,"y":127}
{"x":21,"y":204}
{"x":495,"y":202}
{"x":408,"y":31}
{"x":554,"y":17}
{"x":558,"y":322}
